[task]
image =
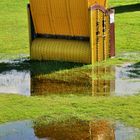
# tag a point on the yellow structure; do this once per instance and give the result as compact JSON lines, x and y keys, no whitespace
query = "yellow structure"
{"x":69,"y":30}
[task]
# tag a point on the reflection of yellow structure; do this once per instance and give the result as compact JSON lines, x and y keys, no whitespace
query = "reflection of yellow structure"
{"x":103,"y":84}
{"x":99,"y":130}
{"x":42,"y":86}
{"x":102,"y":130}
{"x":69,"y":30}
{"x":76,"y":84}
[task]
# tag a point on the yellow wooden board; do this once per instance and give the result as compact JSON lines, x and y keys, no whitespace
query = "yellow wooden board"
{"x":62,"y":17}
{"x":100,"y":36}
{"x":93,"y":37}
{"x":107,"y":37}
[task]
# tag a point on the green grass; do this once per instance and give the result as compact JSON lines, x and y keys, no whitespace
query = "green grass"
{"x":14,"y":28}
{"x":60,"y":108}
{"x":127,"y":32}
{"x":122,"y":2}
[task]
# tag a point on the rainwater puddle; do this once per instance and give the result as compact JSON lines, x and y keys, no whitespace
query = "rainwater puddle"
{"x":77,"y":130}
{"x":42,"y":78}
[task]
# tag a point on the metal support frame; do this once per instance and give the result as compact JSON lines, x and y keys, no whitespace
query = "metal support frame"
{"x":102,"y":36}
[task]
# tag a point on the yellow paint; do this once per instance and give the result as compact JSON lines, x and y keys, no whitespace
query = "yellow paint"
{"x":60,"y":49}
{"x":100,"y":35}
{"x":107,"y":38}
{"x":100,"y":2}
{"x":62,"y":17}
{"x":70,"y":18}
{"x":93,"y":37}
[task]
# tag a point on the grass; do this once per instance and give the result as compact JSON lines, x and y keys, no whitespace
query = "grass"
{"x":14,"y":28}
{"x":60,"y":108}
{"x":120,"y":2}
{"x":14,"y":42}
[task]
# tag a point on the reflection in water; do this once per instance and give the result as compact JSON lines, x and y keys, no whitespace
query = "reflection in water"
{"x":103,"y":84}
{"x":15,"y":82}
{"x":39,"y":78}
{"x":75,"y":130}
{"x":100,"y":130}
{"x":89,"y":82}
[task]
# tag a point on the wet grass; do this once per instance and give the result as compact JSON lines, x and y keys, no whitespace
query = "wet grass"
{"x":56,"y":108}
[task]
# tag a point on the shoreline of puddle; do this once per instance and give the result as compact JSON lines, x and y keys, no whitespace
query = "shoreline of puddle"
{"x":30,"y":78}
{"x":75,"y":130}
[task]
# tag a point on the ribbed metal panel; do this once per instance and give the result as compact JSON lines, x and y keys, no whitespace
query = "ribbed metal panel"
{"x":58,"y":49}
{"x":99,"y":35}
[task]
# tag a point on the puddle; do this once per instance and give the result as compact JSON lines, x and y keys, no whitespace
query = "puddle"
{"x":42,"y":78}
{"x":75,"y":130}
{"x":15,"y":82}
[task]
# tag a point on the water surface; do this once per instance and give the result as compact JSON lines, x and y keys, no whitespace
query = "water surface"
{"x":42,"y":78}
{"x":75,"y":130}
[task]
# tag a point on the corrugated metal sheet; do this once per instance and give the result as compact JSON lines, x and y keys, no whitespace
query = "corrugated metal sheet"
{"x":59,"y":49}
{"x":99,"y":35}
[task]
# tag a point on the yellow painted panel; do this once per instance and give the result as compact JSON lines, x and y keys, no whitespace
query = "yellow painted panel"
{"x":79,"y":17}
{"x":62,"y":17}
{"x":93,"y":37}
{"x":100,"y":2}
{"x":39,"y":10}
{"x":100,"y":36}
{"x":107,"y":37}
{"x":59,"y":49}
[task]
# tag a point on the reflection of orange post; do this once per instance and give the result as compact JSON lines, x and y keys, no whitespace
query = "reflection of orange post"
{"x":94,"y":81}
{"x":101,"y":85}
{"x":102,"y":130}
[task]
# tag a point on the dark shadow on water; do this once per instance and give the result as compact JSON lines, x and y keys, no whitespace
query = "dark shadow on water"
{"x":134,"y":70}
{"x":127,"y":8}
{"x":37,"y":67}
